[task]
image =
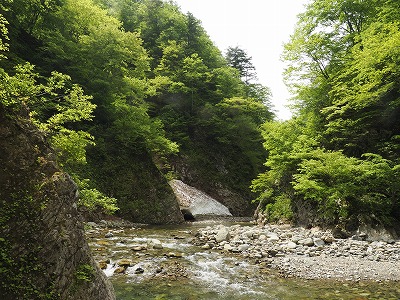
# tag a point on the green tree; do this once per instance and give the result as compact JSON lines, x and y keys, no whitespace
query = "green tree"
{"x":54,"y":107}
{"x":338,"y":157}
{"x":362,"y":117}
{"x":238,"y":58}
{"x":156,"y":79}
{"x":28,"y":15}
{"x":287,"y":144}
{"x":3,"y":36}
{"x":346,"y":188}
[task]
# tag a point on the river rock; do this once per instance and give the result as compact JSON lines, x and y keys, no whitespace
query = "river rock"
{"x":139,"y":270}
{"x":109,"y":235}
{"x":273,"y":237}
{"x":306,"y":242}
{"x":206,"y":246}
{"x":314,"y":248}
{"x":222,"y":235}
{"x":91,"y":224}
{"x":291,"y":245}
{"x":124,"y":263}
{"x":243,"y":247}
{"x":319,"y":242}
{"x":228,"y":247}
{"x":138,"y":248}
{"x":296,"y":239}
{"x":328,"y":238}
{"x":174,"y":254}
{"x":155,"y":244}
{"x":119,"y":270}
{"x":376,"y":234}
{"x":103,"y":243}
{"x":103,"y":264}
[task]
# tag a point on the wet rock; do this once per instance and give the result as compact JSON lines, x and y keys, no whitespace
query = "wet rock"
{"x":155,"y":244}
{"x":109,"y":235}
{"x":139,"y":270}
{"x":124,"y":263}
{"x":174,"y":254}
{"x":119,"y":270}
{"x":103,"y":264}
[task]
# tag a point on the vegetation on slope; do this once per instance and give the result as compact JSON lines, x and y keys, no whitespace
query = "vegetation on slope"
{"x":339,"y":155}
{"x":159,"y":93}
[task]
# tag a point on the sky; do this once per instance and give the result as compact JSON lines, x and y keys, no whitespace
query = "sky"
{"x":260,"y":27}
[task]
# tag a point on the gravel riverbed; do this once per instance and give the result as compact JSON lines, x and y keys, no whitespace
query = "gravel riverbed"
{"x":307,"y":253}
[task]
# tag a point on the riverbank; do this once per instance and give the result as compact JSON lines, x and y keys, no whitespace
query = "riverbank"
{"x":307,"y":253}
{"x":185,"y":261}
{"x":294,"y":251}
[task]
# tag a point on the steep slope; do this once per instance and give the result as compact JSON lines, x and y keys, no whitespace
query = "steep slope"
{"x":130,"y":175}
{"x":43,"y":252}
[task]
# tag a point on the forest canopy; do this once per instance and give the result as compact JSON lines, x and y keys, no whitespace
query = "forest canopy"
{"x":111,"y":82}
{"x":340,"y":152}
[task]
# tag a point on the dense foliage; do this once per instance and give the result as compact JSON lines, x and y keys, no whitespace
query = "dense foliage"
{"x":115,"y":84}
{"x":339,"y":155}
{"x":120,"y":85}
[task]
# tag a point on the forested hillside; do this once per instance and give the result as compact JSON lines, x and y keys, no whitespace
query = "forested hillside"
{"x":337,"y":160}
{"x":104,"y":102}
{"x":130,"y":93}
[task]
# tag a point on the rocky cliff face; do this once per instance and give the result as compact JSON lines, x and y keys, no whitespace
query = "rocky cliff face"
{"x":131,"y":176}
{"x":211,"y":176}
{"x":43,"y":252}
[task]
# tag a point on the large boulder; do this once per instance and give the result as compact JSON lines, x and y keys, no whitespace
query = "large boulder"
{"x":43,"y":251}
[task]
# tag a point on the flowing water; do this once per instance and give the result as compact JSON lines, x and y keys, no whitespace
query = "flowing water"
{"x":181,"y":270}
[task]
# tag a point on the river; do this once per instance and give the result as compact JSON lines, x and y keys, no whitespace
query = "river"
{"x":177,"y":269}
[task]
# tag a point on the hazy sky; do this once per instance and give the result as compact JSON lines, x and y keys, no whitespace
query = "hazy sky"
{"x":260,"y":27}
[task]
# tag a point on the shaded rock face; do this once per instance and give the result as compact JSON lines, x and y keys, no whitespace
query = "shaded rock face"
{"x":194,"y":202}
{"x":131,"y":176}
{"x":216,"y":181}
{"x":43,"y":251}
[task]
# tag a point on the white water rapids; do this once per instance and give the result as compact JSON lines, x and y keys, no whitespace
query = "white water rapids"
{"x":202,"y":274}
